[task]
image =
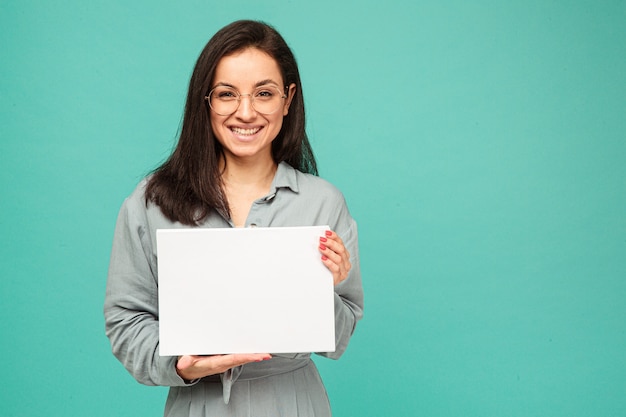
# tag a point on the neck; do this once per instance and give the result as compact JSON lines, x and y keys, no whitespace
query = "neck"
{"x":241,"y":172}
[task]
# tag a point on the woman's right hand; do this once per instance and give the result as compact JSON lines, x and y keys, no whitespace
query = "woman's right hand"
{"x":191,"y":367}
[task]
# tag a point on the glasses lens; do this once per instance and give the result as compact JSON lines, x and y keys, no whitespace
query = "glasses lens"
{"x":225,"y":100}
{"x":267,"y":100}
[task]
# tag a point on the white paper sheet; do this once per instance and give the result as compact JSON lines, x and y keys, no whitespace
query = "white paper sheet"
{"x":252,"y":290}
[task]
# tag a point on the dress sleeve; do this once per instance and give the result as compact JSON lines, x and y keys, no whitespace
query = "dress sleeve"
{"x":349,"y":293}
{"x":131,"y":301}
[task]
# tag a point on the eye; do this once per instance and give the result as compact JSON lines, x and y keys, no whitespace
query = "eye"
{"x":264,"y":94}
{"x":225,"y":94}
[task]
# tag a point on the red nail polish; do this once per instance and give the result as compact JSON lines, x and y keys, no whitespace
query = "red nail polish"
{"x":322,"y":247}
{"x":323,"y":239}
{"x":324,"y":257}
{"x":329,"y":233}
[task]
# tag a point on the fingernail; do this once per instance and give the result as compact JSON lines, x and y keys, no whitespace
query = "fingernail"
{"x":323,"y":239}
{"x":329,"y":233}
{"x":322,"y":247}
{"x":324,"y":257}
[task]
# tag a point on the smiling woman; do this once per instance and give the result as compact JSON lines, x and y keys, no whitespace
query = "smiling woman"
{"x":245,"y":132}
{"x":246,"y":128}
{"x":243,"y":159}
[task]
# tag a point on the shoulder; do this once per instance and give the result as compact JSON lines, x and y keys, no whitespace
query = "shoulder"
{"x":136,"y":201}
{"x":137,"y":208}
{"x":328,"y":203}
{"x":312,"y":185}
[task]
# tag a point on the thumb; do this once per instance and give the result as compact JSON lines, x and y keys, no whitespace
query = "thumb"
{"x":184,"y":362}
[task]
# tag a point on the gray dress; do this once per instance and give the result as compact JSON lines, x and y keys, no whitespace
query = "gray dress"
{"x":286,"y":385}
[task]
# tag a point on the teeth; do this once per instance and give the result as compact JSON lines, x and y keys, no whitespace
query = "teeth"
{"x":245,"y":132}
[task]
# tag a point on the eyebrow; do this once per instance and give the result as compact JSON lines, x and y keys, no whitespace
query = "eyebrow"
{"x":256,"y":85}
{"x":265,"y":82}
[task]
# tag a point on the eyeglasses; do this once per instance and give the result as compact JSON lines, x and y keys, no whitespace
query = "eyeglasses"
{"x":225,"y":100}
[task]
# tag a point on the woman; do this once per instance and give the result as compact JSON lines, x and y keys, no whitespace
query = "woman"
{"x":242,"y":160}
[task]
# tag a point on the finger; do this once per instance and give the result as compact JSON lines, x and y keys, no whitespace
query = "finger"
{"x":330,"y":235}
{"x":335,"y":253}
{"x":335,"y":256}
{"x":221,"y":363}
{"x":334,"y":242}
{"x":339,"y":274}
{"x":242,"y":359}
{"x":329,"y":254}
{"x":333,"y":267}
{"x":335,"y":246}
{"x":185,"y":362}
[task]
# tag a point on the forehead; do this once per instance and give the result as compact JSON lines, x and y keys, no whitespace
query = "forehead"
{"x":247,"y":68}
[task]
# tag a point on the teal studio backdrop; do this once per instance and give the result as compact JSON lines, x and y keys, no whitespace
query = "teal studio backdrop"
{"x":481,"y":147}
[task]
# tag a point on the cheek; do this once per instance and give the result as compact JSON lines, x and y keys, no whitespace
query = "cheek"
{"x":278,"y":123}
{"x":216,"y":126}
{"x":215,"y":120}
{"x":218,"y":134}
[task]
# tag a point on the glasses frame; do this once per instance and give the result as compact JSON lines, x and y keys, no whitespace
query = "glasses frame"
{"x":240,"y":96}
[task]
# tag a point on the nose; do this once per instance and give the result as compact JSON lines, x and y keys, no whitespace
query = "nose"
{"x":246,"y":110}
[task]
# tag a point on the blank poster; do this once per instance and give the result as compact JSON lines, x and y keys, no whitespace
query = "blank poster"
{"x":246,"y":290}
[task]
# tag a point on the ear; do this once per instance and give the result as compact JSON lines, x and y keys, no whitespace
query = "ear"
{"x":290,"y":93}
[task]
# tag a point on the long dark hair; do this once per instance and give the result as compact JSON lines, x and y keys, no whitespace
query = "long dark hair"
{"x":188,"y":185}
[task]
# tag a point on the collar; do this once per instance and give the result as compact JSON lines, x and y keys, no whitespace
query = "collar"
{"x":285,"y":177}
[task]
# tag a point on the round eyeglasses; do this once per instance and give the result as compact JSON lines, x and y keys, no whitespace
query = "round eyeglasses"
{"x":225,"y":100}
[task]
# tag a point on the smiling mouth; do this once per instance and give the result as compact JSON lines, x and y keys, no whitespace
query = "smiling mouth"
{"x":245,"y":132}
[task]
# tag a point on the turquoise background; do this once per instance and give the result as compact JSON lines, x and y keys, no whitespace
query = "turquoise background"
{"x":481,"y":147}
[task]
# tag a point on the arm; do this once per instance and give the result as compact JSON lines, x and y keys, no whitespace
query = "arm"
{"x":131,"y":310}
{"x":131,"y":302}
{"x":341,"y":256}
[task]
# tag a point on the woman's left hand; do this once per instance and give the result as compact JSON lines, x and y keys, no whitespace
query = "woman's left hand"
{"x":335,"y":256}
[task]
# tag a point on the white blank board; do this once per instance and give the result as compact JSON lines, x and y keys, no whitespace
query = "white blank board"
{"x":246,"y":290}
